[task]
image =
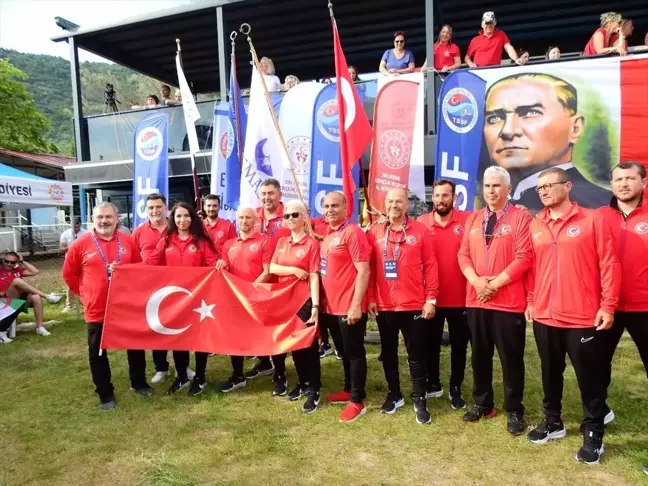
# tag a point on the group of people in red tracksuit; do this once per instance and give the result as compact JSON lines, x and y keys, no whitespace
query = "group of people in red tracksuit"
{"x":486,"y":273}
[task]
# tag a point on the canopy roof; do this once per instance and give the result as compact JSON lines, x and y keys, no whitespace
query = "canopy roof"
{"x":22,"y":190}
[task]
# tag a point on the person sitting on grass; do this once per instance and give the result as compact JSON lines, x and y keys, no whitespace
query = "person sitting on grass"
{"x":12,"y":285}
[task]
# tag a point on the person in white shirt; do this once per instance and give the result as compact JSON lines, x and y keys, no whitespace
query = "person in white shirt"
{"x":267,"y":68}
{"x":67,"y":237}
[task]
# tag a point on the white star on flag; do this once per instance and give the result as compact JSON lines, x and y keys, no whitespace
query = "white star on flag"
{"x":205,"y":310}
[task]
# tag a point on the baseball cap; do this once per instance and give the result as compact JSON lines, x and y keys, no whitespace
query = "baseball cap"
{"x":488,"y":17}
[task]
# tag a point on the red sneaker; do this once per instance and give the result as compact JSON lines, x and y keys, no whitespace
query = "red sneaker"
{"x":339,"y":397}
{"x":352,"y":411}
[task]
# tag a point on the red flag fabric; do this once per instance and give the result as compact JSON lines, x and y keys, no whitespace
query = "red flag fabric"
{"x":201,"y":309}
{"x":394,"y":117}
{"x":355,"y":130}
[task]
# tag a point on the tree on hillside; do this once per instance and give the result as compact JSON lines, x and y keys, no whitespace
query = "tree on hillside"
{"x":22,"y":126}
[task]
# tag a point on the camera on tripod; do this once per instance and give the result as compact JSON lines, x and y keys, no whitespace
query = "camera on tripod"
{"x":111,"y":97}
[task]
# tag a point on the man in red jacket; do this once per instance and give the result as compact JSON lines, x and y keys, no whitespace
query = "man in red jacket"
{"x":219,"y":230}
{"x":495,"y":254}
{"x":87,"y":270}
{"x":345,"y":254}
{"x":577,"y":279}
{"x":447,"y":227}
{"x":403,"y":289}
{"x":627,"y":216}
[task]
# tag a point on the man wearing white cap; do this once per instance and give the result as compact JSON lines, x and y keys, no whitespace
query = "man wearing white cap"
{"x":486,"y":47}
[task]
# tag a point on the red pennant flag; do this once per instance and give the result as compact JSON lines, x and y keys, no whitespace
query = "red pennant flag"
{"x":355,"y":130}
{"x":200,"y":309}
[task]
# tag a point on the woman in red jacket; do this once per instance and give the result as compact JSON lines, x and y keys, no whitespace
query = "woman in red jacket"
{"x":298,"y":256}
{"x":186,"y":245}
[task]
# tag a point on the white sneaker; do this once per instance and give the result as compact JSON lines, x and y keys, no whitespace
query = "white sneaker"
{"x":41,"y":331}
{"x":159,"y":377}
{"x":190,"y":373}
{"x":4,"y":339}
{"x":609,"y":417}
{"x":67,"y":309}
{"x":53,"y":299}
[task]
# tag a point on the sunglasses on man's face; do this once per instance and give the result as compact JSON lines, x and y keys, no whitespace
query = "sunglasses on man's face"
{"x":11,"y":262}
{"x":292,"y":215}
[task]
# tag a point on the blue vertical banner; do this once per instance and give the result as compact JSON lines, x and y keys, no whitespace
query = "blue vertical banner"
{"x":236,"y":127}
{"x":326,"y":160}
{"x":150,"y":163}
{"x":460,"y":133}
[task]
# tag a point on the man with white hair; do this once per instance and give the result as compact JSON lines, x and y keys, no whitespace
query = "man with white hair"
{"x":485,"y":48}
{"x":248,"y":257}
{"x":494,"y":257}
{"x":87,"y":270}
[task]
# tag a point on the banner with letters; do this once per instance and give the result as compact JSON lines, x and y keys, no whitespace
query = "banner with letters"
{"x":221,"y":146}
{"x":326,"y":165}
{"x":583,"y":116}
{"x":151,"y":162}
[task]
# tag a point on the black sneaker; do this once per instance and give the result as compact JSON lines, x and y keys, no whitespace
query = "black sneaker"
{"x":477,"y":413}
{"x":433,"y":390}
{"x":232,"y":384}
{"x":260,"y":369}
{"x":311,"y":403}
{"x":143,"y":391}
{"x":197,"y":387}
{"x":421,"y":411}
{"x":456,"y":400}
{"x":547,"y":429}
{"x":392,"y":403}
{"x":281,"y":387}
{"x":297,"y":392}
{"x":515,"y":423}
{"x":592,"y":449}
{"x":178,"y":384}
{"x":324,"y":350}
{"x":107,"y":403}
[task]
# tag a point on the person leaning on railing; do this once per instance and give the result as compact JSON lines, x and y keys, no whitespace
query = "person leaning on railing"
{"x":447,"y":56}
{"x":397,"y":60}
{"x":600,"y":42}
{"x":485,"y":48}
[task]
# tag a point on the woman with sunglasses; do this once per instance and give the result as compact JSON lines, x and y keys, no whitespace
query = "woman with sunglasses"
{"x":297,"y":256}
{"x":447,"y":56}
{"x":397,"y":60}
{"x":186,"y":245}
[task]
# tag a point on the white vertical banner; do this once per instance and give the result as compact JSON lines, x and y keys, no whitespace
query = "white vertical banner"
{"x":220,"y":144}
{"x":296,"y":122}
{"x":189,"y":108}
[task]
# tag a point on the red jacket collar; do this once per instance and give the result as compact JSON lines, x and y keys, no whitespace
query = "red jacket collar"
{"x":280,"y":212}
{"x":545,"y":217}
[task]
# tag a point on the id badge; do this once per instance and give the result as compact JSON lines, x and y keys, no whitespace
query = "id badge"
{"x":391,"y":269}
{"x":323,"y":263}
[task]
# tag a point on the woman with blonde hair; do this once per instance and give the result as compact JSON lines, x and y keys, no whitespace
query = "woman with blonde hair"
{"x":600,"y":43}
{"x":268,"y":70}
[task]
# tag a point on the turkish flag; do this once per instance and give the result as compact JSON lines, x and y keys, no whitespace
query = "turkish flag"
{"x":201,"y":309}
{"x":355,"y":130}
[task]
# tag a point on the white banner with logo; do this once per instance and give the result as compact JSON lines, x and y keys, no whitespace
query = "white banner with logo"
{"x":220,"y":146}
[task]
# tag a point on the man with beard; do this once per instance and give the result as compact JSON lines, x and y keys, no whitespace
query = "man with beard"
{"x":495,"y":254}
{"x":269,"y":222}
{"x":219,"y":230}
{"x":146,"y":237}
{"x":577,"y":278}
{"x":88,"y":267}
{"x":247,"y":256}
{"x":345,"y":254}
{"x":532,"y":123}
{"x":447,"y":227}
{"x":403,"y":289}
{"x":627,"y":216}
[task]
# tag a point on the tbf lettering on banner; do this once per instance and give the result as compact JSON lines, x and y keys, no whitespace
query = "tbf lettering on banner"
{"x":151,"y":162}
{"x":326,"y":172}
{"x":461,"y":125}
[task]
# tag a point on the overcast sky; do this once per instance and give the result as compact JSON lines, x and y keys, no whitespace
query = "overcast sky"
{"x":27,"y":25}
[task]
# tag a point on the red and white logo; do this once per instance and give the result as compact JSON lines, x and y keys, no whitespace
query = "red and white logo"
{"x":192,"y":248}
{"x":641,"y":228}
{"x":411,"y":239}
{"x":394,"y":149}
{"x":335,"y":242}
{"x":301,"y":253}
{"x":573,"y":231}
{"x":254,"y":247}
{"x":56,"y":192}
{"x":458,"y":229}
{"x":220,"y":234}
{"x":506,"y":229}
{"x":299,"y":151}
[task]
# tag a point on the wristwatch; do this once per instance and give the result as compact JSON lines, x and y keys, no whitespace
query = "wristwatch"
{"x":431,"y":301}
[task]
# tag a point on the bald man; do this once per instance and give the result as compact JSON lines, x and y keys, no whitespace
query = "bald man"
{"x":247,"y":256}
{"x":344,"y":260}
{"x":402,"y":296}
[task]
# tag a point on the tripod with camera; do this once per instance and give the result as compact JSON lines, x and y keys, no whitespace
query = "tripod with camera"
{"x":110,"y":99}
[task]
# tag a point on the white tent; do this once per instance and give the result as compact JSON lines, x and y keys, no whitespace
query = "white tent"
{"x":22,"y":190}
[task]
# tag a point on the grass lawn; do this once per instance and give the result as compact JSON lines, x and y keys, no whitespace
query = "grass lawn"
{"x":53,"y":432}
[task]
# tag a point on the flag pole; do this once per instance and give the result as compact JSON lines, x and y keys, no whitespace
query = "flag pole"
{"x":235,"y":99}
{"x":194,"y":174}
{"x":245,"y":30}
{"x":363,"y":179}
